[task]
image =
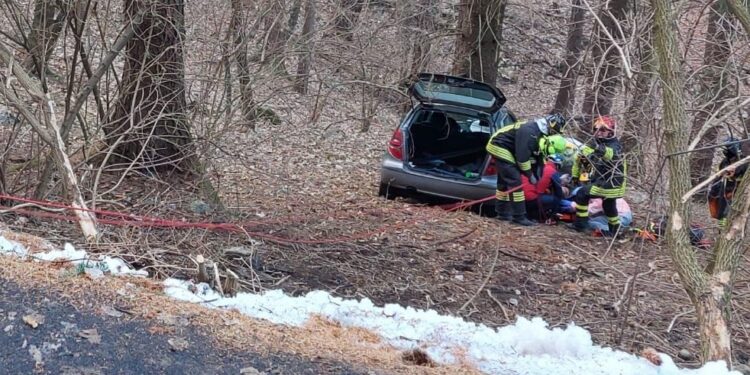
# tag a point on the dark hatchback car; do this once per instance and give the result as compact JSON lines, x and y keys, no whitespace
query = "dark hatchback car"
{"x":439,"y":147}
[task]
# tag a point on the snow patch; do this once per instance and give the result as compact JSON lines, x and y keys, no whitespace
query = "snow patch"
{"x":528,"y":347}
{"x":10,"y":247}
{"x":114,"y":266}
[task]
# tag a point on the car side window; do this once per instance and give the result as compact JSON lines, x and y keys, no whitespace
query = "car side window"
{"x":503,"y":117}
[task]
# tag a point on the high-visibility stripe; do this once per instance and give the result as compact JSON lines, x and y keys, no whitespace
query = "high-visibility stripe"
{"x":722,"y":223}
{"x":500,"y":153}
{"x":613,"y":220}
{"x":582,"y":211}
{"x":518,"y":196}
{"x":502,"y":196}
{"x":617,"y":192}
{"x":525,"y":166}
{"x":609,"y":153}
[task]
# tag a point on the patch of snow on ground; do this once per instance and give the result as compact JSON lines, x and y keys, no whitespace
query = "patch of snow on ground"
{"x":69,"y":253}
{"x":115,"y":266}
{"x":527,"y":347}
{"x":9,"y":247}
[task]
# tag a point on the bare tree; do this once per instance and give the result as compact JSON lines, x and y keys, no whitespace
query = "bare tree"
{"x":49,"y":20}
{"x":641,"y":107}
{"x":420,"y":36}
{"x":346,"y":17}
{"x":742,"y":14}
{"x":237,"y":32}
{"x":565,"y":99}
{"x":480,"y":26}
{"x":714,"y":80}
{"x":710,"y":290}
{"x":605,"y":61}
{"x":149,"y":128}
{"x":275,"y":42}
{"x":305,"y":61}
{"x":45,"y":124}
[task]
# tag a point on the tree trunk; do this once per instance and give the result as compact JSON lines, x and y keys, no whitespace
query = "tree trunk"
{"x":49,"y":20}
{"x":305,"y":61}
{"x":346,"y":17}
{"x":742,"y":14}
{"x":708,"y":296}
{"x":480,"y":23}
{"x":273,"y":51}
{"x":294,"y":12}
{"x":605,"y":61}
{"x":714,"y":329}
{"x":566,"y":95}
{"x":236,"y":26}
{"x":149,"y":128}
{"x":715,"y":86}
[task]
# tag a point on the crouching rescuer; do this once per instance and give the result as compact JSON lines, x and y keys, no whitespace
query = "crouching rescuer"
{"x":606,"y":172}
{"x":513,"y":147}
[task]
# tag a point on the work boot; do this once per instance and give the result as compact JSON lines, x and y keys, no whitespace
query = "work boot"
{"x":613,"y":230}
{"x":519,"y":215}
{"x":502,"y":208}
{"x":581,"y":224}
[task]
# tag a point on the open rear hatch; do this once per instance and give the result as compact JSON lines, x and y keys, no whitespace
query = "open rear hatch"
{"x":461,"y":92}
{"x":448,"y":134}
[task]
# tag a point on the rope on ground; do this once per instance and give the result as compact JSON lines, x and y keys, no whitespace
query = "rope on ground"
{"x":124,"y":219}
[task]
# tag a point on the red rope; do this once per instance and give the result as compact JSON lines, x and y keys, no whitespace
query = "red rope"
{"x":147,"y":221}
{"x":461,"y":205}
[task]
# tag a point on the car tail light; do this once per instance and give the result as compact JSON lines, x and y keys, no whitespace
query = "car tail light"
{"x":395,"y":145}
{"x":491,"y":170}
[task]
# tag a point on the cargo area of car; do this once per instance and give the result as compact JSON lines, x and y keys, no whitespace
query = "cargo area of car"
{"x":448,"y":144}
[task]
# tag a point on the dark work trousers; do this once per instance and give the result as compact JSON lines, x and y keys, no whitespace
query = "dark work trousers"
{"x":508,"y":178}
{"x":582,"y":208}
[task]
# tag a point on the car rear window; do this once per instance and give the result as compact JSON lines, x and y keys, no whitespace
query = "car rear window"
{"x":456,"y":94}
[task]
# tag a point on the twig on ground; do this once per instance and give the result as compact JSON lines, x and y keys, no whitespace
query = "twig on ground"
{"x":486,"y":279}
{"x":502,"y":308}
{"x":629,"y":284}
{"x":678,"y":316}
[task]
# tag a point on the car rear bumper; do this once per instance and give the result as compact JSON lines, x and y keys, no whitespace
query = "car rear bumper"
{"x":397,"y":175}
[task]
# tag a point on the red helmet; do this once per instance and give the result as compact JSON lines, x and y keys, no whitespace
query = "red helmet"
{"x":606,"y":122}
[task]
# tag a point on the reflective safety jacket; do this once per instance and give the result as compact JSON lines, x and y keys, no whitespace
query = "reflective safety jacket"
{"x":608,"y":168}
{"x":517,"y":143}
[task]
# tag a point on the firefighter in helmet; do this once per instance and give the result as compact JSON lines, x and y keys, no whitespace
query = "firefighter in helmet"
{"x":515,"y":148}
{"x":606,"y":173}
{"x":721,"y":192}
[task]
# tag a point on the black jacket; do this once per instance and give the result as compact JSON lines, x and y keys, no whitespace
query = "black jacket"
{"x":608,"y":167}
{"x":517,"y":143}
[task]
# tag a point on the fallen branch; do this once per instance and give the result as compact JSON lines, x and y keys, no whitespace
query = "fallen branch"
{"x":486,"y":279}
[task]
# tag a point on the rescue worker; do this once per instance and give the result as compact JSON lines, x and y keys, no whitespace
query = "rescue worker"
{"x":543,"y":199}
{"x":605,"y":159}
{"x":513,"y":147}
{"x":720,"y":194}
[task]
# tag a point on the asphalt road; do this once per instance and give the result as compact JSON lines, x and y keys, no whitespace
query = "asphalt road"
{"x":72,"y":342}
